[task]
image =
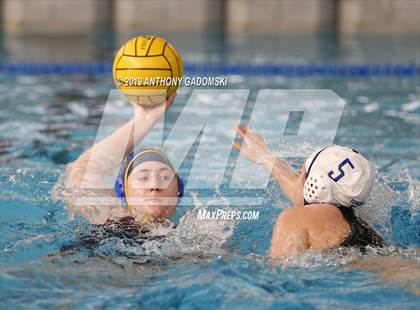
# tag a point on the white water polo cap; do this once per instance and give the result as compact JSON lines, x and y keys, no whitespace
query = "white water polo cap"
{"x":338,"y":175}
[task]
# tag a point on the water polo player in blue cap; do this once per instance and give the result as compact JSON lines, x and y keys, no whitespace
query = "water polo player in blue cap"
{"x":147,"y":187}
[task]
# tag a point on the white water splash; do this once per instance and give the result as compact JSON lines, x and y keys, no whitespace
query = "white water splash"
{"x":413,"y":191}
{"x":377,"y":210}
{"x":192,"y":236}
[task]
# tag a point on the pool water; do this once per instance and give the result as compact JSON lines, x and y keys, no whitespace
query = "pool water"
{"x":48,"y":121}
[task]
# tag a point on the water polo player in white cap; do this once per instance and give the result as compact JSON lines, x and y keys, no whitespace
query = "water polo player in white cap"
{"x":332,"y":182}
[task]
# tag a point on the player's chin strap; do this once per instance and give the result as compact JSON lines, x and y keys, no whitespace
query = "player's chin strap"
{"x":305,"y":203}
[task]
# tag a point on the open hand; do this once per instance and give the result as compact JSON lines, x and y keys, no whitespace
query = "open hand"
{"x":253,"y":147}
{"x":154,"y":112}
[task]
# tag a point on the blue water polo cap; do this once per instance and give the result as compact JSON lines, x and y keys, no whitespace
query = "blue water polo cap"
{"x":135,"y":159}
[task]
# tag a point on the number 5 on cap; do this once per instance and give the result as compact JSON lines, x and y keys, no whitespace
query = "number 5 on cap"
{"x":340,"y":168}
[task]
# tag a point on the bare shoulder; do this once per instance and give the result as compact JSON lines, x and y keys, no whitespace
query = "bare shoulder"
{"x":324,"y":223}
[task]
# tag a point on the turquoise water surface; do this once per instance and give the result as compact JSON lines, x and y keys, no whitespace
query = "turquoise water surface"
{"x":47,"y":121}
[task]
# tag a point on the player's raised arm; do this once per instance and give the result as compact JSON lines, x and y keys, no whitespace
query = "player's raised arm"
{"x":105,"y":156}
{"x":109,"y":149}
{"x":140,"y":66}
{"x":255,"y":149}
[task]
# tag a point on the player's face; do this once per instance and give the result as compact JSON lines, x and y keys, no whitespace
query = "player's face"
{"x":152,"y":189}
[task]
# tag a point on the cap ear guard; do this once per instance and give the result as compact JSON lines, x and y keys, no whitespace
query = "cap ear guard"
{"x":119,"y":187}
{"x":316,"y":188}
{"x":119,"y":183}
{"x":180,"y":187}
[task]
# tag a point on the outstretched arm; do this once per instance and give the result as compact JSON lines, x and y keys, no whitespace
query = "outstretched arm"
{"x":94,"y":165}
{"x":393,"y":269}
{"x":255,"y":149}
{"x":109,"y":150}
{"x":136,"y":129}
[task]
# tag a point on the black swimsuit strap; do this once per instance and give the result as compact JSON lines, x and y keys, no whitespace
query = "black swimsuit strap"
{"x":361,"y":234}
{"x":126,"y":229}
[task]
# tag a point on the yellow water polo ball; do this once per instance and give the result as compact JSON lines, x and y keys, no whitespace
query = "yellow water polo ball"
{"x":147,"y":69}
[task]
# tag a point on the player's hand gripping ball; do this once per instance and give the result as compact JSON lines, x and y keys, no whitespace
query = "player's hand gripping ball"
{"x":147,"y":70}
